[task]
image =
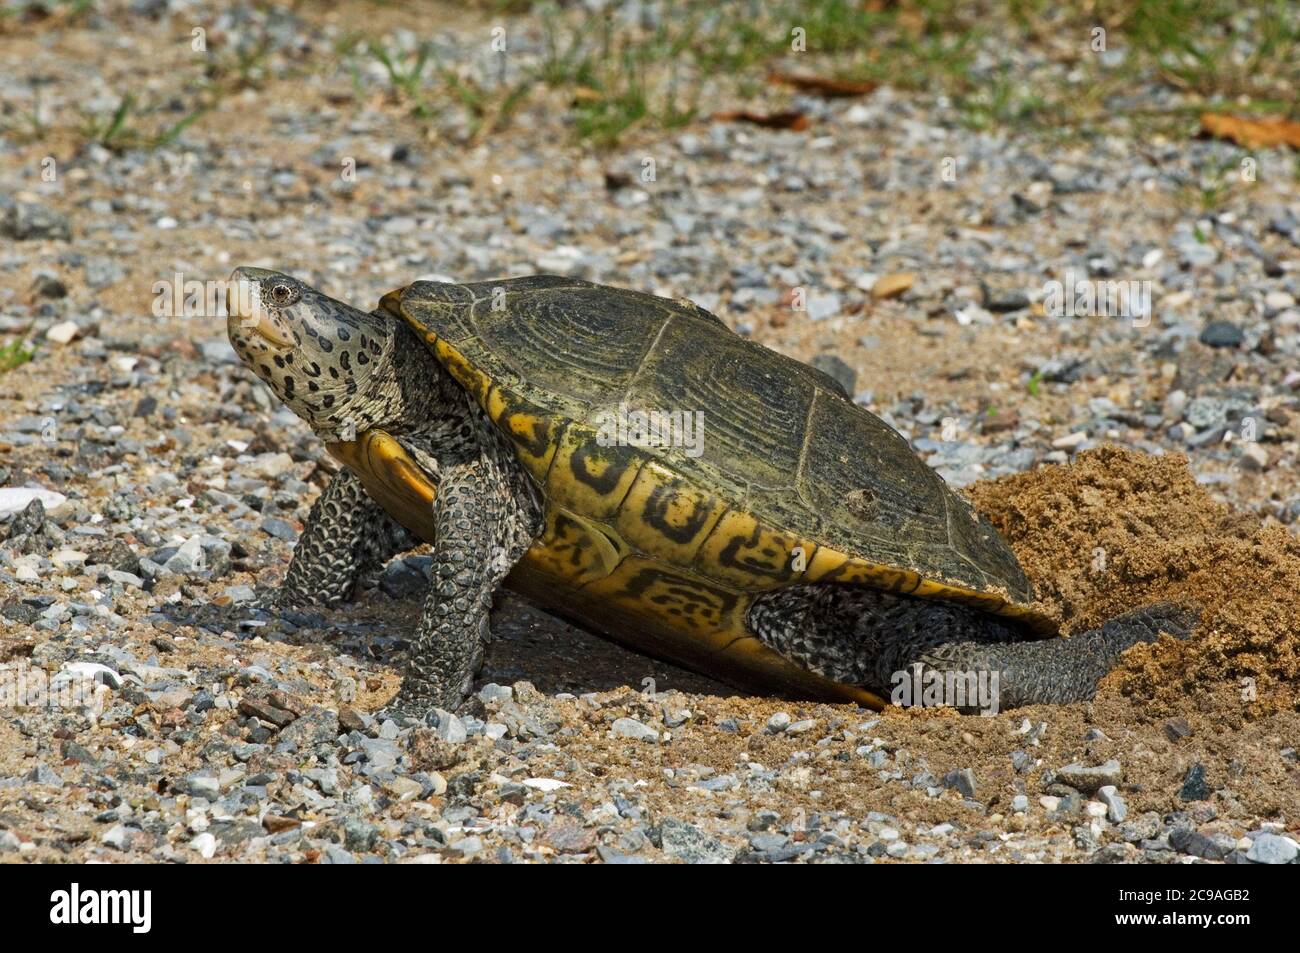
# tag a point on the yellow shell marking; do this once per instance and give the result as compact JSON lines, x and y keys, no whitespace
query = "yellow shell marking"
{"x":634,"y":550}
{"x":666,"y":516}
{"x":751,"y":555}
{"x":532,"y":432}
{"x":465,"y":373}
{"x":588,"y":478}
{"x":677,"y":615}
{"x":572,"y":550}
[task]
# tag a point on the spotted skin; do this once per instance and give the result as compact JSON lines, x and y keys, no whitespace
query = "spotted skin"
{"x":485,"y":510}
{"x":509,"y":484}
{"x":347,"y":534}
{"x":331,"y":364}
{"x":485,"y":520}
{"x":867,"y":637}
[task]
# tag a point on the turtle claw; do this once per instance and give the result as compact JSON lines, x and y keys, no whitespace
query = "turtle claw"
{"x":412,"y":708}
{"x":407,"y":711}
{"x":1149,"y":622}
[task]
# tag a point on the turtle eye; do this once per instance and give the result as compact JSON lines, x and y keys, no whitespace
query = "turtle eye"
{"x":282,"y":294}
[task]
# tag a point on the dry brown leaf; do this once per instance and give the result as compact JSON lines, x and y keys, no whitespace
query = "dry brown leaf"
{"x":790,"y":119}
{"x":1252,"y":133}
{"x":823,"y":86}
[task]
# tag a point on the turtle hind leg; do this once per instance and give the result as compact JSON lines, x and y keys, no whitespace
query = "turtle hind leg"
{"x":1060,"y":670}
{"x":346,"y":534}
{"x":891,"y":644}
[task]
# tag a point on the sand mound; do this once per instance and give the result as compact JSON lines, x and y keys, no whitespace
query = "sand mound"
{"x":1118,"y":529}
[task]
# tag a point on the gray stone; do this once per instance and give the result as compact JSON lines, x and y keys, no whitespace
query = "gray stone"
{"x":609,"y":855}
{"x":317,"y":726}
{"x":44,"y":774}
{"x":822,"y":306}
{"x":963,"y":780}
{"x":359,"y":835}
{"x":334,"y":854}
{"x":468,"y":845}
{"x":381,"y":754}
{"x":1090,"y":779}
{"x":450,"y":727}
{"x":1273,"y":849}
{"x":403,"y":578}
{"x":202,"y":785}
{"x":834,"y":367}
{"x":27,"y":221}
{"x":1195,"y":787}
{"x":1116,"y":809}
{"x":325,"y":779}
{"x":631,"y":728}
{"x":778,"y":723}
{"x":688,"y":843}
{"x":279,"y":528}
{"x":492,"y":693}
{"x":1195,"y":844}
{"x":1003,"y":302}
{"x":1221,"y":334}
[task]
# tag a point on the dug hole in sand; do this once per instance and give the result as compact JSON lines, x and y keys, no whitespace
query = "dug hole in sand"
{"x":1197,"y":748}
{"x":1113,"y":531}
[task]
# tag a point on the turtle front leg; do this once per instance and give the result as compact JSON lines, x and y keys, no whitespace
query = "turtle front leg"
{"x":483,"y":525}
{"x":346,"y":533}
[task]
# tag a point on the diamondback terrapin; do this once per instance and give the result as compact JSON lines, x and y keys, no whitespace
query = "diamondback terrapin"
{"x":627,"y":461}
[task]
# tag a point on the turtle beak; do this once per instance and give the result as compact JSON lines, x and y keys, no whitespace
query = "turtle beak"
{"x":245,"y":311}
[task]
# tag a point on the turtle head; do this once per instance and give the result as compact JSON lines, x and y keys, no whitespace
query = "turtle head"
{"x":321,"y":357}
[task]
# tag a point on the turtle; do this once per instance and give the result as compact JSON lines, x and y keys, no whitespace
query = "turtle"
{"x":630,"y":463}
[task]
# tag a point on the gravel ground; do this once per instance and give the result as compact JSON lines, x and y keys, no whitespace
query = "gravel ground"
{"x":173,"y":482}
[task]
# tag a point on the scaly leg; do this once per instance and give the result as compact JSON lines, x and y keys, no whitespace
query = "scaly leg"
{"x":870,"y":638}
{"x":346,"y":533}
{"x":483,"y":526}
